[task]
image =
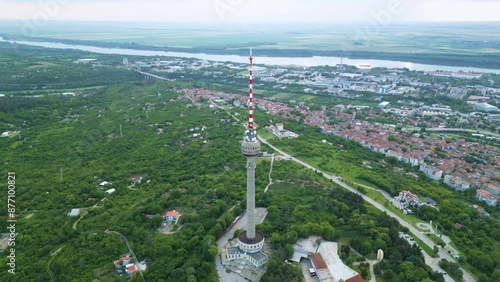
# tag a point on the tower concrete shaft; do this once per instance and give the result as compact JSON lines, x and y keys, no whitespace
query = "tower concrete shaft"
{"x":250,"y":147}
{"x":250,"y":198}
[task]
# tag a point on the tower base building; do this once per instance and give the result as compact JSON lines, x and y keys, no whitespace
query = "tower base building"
{"x":249,"y":250}
{"x":251,"y":246}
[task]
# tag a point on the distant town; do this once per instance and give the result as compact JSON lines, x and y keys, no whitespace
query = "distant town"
{"x":436,"y":125}
{"x":462,"y":164}
{"x":430,"y":136}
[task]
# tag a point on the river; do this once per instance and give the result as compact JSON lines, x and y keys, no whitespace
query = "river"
{"x":280,"y":61}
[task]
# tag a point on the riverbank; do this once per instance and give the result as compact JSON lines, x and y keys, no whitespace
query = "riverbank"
{"x":485,"y":63}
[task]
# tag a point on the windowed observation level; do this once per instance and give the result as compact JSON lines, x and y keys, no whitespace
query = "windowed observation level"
{"x":250,"y":147}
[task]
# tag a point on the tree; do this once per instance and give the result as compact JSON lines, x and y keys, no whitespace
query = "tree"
{"x":136,"y":278}
{"x":416,"y":261}
{"x":213,"y":251}
{"x":289,"y":250}
{"x":328,"y":232}
{"x":436,"y":250}
{"x":156,"y":220}
{"x":496,"y":275}
{"x":376,"y":269}
{"x":366,"y":248}
{"x":380,"y":244}
{"x":412,"y":273}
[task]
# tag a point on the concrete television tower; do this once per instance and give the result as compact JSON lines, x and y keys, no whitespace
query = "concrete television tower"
{"x":251,"y":241}
{"x":249,"y":246}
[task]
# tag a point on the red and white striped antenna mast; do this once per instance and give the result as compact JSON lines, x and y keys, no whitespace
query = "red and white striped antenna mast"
{"x":250,"y":99}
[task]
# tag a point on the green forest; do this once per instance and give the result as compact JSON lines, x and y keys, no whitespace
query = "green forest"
{"x":189,"y":157}
{"x":479,"y":237}
{"x":28,"y":70}
{"x":306,"y":204}
{"x":67,"y":146}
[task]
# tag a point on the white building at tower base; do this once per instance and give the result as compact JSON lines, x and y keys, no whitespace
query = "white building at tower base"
{"x":251,"y":251}
{"x":258,"y":259}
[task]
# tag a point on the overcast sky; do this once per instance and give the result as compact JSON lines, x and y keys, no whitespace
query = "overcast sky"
{"x":253,"y":10}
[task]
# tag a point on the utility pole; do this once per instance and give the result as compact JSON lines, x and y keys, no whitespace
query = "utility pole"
{"x":121,"y":131}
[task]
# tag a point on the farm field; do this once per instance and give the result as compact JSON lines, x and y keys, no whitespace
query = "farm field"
{"x":438,"y":38}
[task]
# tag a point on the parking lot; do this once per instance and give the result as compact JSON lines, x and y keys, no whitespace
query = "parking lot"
{"x":305,"y":264}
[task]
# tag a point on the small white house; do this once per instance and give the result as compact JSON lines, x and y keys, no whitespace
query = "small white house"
{"x":74,"y":212}
{"x":172,"y":216}
{"x":104,"y":183}
{"x":110,"y":191}
{"x":137,"y":179}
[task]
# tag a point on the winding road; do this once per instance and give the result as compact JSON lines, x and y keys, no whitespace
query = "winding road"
{"x":432,"y":262}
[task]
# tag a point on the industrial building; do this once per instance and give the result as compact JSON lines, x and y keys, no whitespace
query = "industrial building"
{"x":494,"y":117}
{"x":325,"y":261}
{"x":384,"y":105}
{"x":485,"y":107}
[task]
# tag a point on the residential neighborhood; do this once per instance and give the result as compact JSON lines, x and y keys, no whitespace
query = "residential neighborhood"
{"x":460,"y":163}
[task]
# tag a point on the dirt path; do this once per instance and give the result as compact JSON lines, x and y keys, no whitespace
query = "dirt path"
{"x":50,"y":261}
{"x":270,"y":174}
{"x":93,"y":207}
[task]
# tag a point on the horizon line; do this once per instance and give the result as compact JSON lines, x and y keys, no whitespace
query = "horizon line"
{"x":247,"y":22}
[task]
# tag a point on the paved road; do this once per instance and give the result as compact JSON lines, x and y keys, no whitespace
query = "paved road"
{"x":152,"y":75}
{"x":305,"y":265}
{"x":224,"y":276}
{"x":432,"y":262}
{"x":130,"y":250}
{"x":240,"y":224}
{"x":260,"y":214}
{"x":221,"y":270}
{"x":451,"y":130}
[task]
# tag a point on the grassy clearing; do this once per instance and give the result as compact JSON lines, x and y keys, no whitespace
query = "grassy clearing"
{"x":375,"y":195}
{"x":422,"y":245}
{"x":41,"y":92}
{"x":259,"y":161}
{"x":345,"y":237}
{"x":372,"y":210}
{"x":307,"y":98}
{"x":266,"y":134}
{"x":42,"y":65}
{"x":357,"y":268}
{"x":280,"y":96}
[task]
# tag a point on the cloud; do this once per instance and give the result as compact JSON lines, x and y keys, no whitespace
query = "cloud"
{"x":250,"y":10}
